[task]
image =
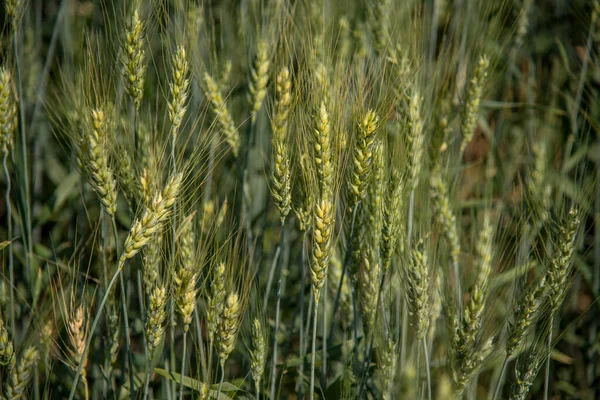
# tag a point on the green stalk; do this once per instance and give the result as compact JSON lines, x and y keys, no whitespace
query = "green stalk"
{"x":183,"y":364}
{"x":427,"y":367}
{"x":277,"y":310}
{"x":24,"y":186}
{"x":125,"y":316}
{"x":547,"y":373}
{"x":314,"y":353}
{"x":10,"y":249}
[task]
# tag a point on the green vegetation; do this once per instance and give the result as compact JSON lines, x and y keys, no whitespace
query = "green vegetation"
{"x":315,"y":199}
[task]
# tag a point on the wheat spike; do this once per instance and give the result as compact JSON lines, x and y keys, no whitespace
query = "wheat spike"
{"x":186,"y":277}
{"x":444,"y":214}
{"x":281,"y":175}
{"x":223,"y":117}
{"x":416,"y":283}
{"x":258,"y":354}
{"x":472,"y":102}
{"x":216,"y":301}
{"x":562,"y":261}
{"x":7,"y":110}
{"x":155,"y":322}
{"x":392,"y":218}
{"x":415,"y":140}
{"x":362,"y":157}
{"x":152,"y":220}
{"x":259,"y":78}
{"x":7,"y":352}
{"x":19,"y":377}
{"x":179,"y":90}
{"x":229,"y":324}
{"x":134,"y":63}
{"x":95,"y":160}
{"x":321,"y":250}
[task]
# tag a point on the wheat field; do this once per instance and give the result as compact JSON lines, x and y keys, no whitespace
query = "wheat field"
{"x":300,"y":199}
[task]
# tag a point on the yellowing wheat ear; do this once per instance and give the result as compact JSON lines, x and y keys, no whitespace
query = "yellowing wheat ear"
{"x":473,"y":99}
{"x":222,"y":114}
{"x":281,"y":174}
{"x":7,"y":352}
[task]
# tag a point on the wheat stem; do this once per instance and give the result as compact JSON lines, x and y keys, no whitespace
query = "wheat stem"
{"x":221,"y":381}
{"x":10,"y":250}
{"x":499,"y":383}
{"x":183,"y":365}
{"x":427,"y":367}
{"x":277,"y":311}
{"x":547,"y":370}
{"x":314,"y":351}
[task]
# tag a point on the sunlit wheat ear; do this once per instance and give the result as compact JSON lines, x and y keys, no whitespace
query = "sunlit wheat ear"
{"x":229,"y":324}
{"x":526,"y":370}
{"x":186,"y":277}
{"x":416,"y":285}
{"x":134,"y":63}
{"x":524,"y":315}
{"x":7,"y":352}
{"x":392,"y":218}
{"x":470,"y":111}
{"x":179,"y":90}
{"x":386,"y":368}
{"x":216,"y":301}
{"x":7,"y":110}
{"x":259,"y":77}
{"x":152,"y":220}
{"x":155,"y":321}
{"x":362,"y":157}
{"x":321,"y":246}
{"x":562,"y":261}
{"x":19,"y":377}
{"x":415,"y":140}
{"x":222,"y":115}
{"x":444,"y":214}
{"x":323,"y":151}
{"x":369,"y":285}
{"x":281,"y":169}
{"x":258,"y":354}
{"x":95,"y":160}
{"x":77,"y":328}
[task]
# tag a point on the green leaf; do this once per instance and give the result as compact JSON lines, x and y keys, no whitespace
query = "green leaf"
{"x":197,"y":385}
{"x":65,"y":189}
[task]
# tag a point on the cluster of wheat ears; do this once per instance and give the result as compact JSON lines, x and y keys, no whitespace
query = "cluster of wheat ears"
{"x":266,"y":199}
